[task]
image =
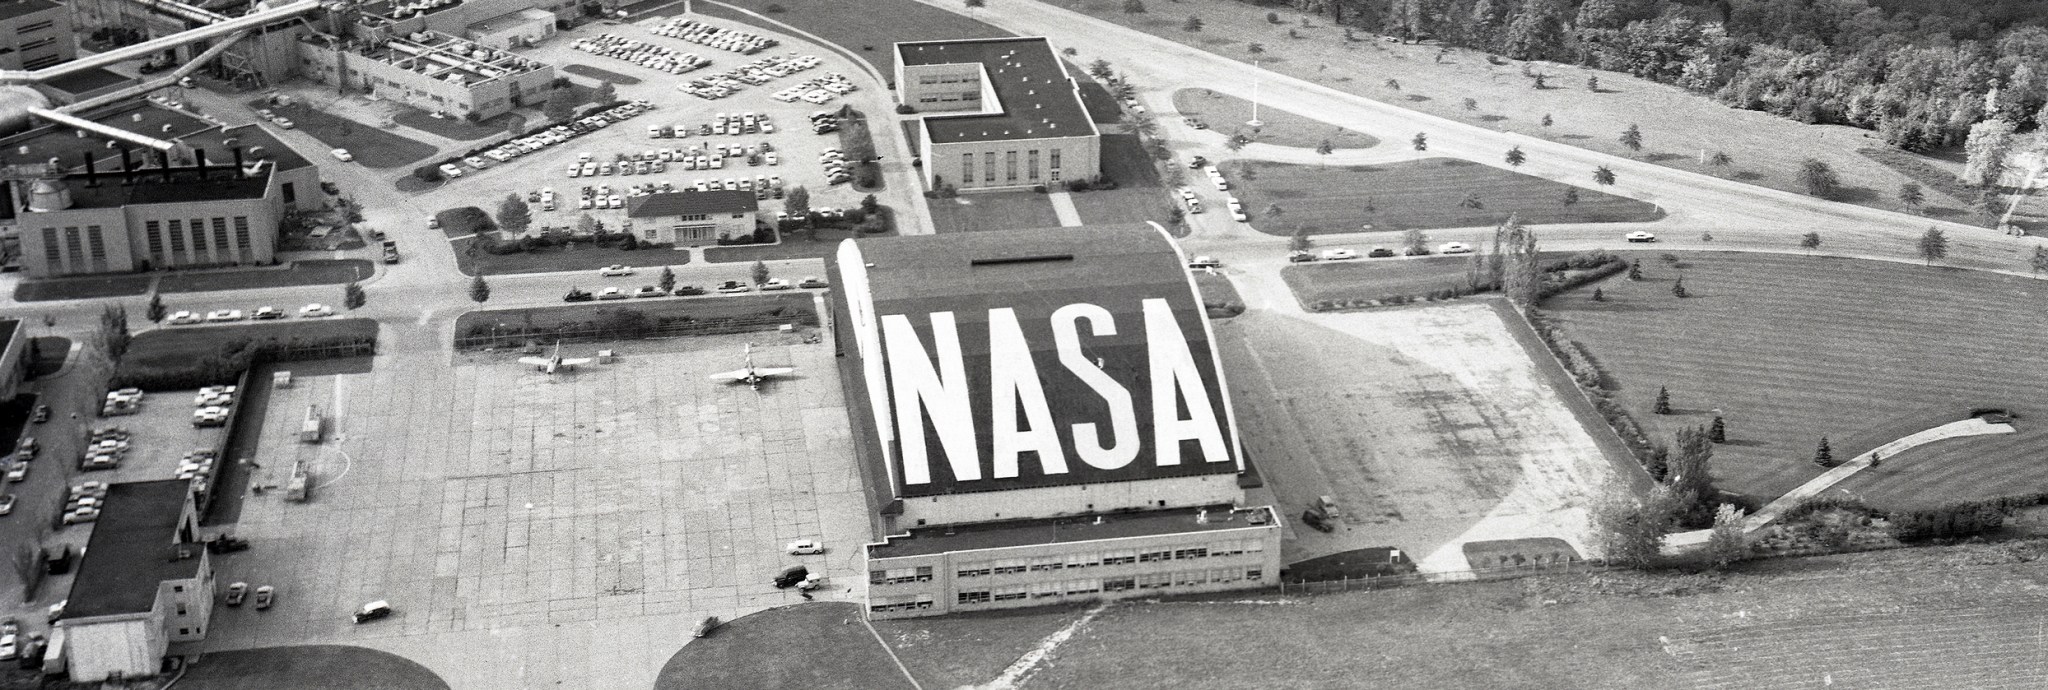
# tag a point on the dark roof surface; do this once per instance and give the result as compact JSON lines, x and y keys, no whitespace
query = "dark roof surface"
{"x":130,"y":552}
{"x":85,"y":81}
{"x":1037,"y":97}
{"x":691,"y":203}
{"x":186,"y":185}
{"x":10,"y":9}
{"x":7,"y":328}
{"x":923,"y":541}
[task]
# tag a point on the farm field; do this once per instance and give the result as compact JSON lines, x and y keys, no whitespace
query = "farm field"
{"x":866,"y":28}
{"x":1415,"y":194}
{"x":1790,"y":349}
{"x":1951,"y":617}
{"x":1677,"y":125}
{"x":1226,"y":113}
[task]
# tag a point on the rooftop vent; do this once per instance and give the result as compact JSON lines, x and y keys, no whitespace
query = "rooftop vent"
{"x":1027,"y":259}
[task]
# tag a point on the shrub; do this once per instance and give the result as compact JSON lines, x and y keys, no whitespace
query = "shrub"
{"x":467,"y":220}
{"x":1959,"y":520}
{"x":1038,"y":188}
{"x":427,"y":173}
{"x":774,"y":8}
{"x":854,"y":216}
{"x":905,"y":109}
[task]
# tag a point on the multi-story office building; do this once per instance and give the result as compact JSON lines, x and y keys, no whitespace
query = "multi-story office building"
{"x":998,"y":113}
{"x":34,"y":34}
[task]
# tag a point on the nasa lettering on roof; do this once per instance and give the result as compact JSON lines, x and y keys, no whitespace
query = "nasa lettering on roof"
{"x":1016,"y":359}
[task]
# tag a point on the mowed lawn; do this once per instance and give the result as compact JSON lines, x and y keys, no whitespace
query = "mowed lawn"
{"x":977,"y":212}
{"x":1373,"y":278}
{"x":1946,"y":617}
{"x":866,"y":28}
{"x":369,"y":145}
{"x":170,"y":346}
{"x":315,"y":667}
{"x":1139,"y":196}
{"x":1415,"y":194}
{"x":805,"y":646}
{"x":1791,"y":348}
{"x":1226,"y":113}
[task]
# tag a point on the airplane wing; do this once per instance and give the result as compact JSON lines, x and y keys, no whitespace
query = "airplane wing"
{"x":734,"y":375}
{"x":771,"y":371}
{"x":536,"y":361}
{"x":576,"y":362}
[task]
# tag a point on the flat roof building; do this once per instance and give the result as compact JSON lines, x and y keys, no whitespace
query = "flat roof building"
{"x":1054,"y":394}
{"x":998,"y":113}
{"x":432,"y":71}
{"x":144,"y":581}
{"x":34,"y":34}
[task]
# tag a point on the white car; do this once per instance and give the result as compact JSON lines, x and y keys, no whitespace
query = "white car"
{"x":615,"y":270}
{"x":1641,"y":236}
{"x":805,"y":547}
{"x":267,"y":313}
{"x":282,"y":122}
{"x":224,"y":315}
{"x":1339,"y":254}
{"x":343,"y":155}
{"x":449,"y":170}
{"x":180,"y":318}
{"x":1454,"y":248}
{"x":314,"y":311}
{"x":611,"y":293}
{"x":1205,"y":262}
{"x":775,"y":284}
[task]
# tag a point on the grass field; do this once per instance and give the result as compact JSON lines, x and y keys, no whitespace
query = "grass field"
{"x":313,"y":272}
{"x":176,"y":345}
{"x":715,"y":307}
{"x":803,"y":646}
{"x":1139,"y":196}
{"x":968,"y":649}
{"x":83,"y":287}
{"x":866,"y":28}
{"x":816,"y":244}
{"x":318,"y":667}
{"x":1216,"y":289}
{"x":1226,"y":113}
{"x":372,"y":147}
{"x":51,"y":351}
{"x":1417,"y":194}
{"x":983,"y":211}
{"x":600,"y":74}
{"x":457,"y":128}
{"x":1791,"y":348}
{"x":1677,"y":125}
{"x":581,"y":258}
{"x":1948,"y":617}
{"x":1373,"y":278}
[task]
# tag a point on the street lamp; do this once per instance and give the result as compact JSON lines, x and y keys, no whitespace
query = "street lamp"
{"x":1255,"y":123}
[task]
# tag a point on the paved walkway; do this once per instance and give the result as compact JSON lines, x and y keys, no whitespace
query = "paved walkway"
{"x":1063,"y":206}
{"x":1968,"y":427}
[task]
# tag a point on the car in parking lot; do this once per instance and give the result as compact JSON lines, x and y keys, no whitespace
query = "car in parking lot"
{"x":615,"y":270}
{"x":1454,"y":248}
{"x":224,"y":315}
{"x":373,"y":611}
{"x":236,"y":593}
{"x":1205,"y":262}
{"x":42,"y":414}
{"x":1339,"y":254}
{"x":476,"y":162}
{"x":6,"y":504}
{"x":264,"y":596}
{"x":1380,"y":252}
{"x":804,"y":547}
{"x":611,"y":293}
{"x":314,"y":311}
{"x":576,"y":295}
{"x":649,"y":291}
{"x":775,"y":284}
{"x":688,"y":290}
{"x":181,"y":317}
{"x":267,"y":314}
{"x":343,"y":155}
{"x":1300,"y":256}
{"x":18,"y":472}
{"x":810,"y":282}
{"x":449,"y":170}
{"x":1641,"y":236}
{"x":733,"y":287}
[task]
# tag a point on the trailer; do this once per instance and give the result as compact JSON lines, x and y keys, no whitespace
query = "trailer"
{"x":309,"y":432}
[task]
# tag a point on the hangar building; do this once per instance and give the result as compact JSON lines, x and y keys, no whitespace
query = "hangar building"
{"x":1041,"y":418}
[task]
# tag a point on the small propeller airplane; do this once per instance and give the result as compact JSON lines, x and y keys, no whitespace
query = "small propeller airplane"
{"x":555,"y":364}
{"x":751,"y":375}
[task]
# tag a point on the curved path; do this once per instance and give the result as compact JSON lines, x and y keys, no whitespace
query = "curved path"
{"x":1769,"y":513}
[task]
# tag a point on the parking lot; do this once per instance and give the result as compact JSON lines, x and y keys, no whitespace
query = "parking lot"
{"x":628,"y":143}
{"x":495,"y":506}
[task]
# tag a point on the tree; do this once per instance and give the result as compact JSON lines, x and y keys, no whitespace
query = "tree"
{"x":1603,"y":175}
{"x":113,"y":334}
{"x":2039,"y":262}
{"x":1394,"y":84}
{"x":1471,"y":104}
{"x":586,"y":225}
{"x":1729,"y":542}
{"x":353,"y":297}
{"x":1415,"y":242}
{"x":1523,"y":277}
{"x":514,"y":215}
{"x":1134,"y":6}
{"x":1823,"y":455}
{"x":1546,"y":120}
{"x":760,"y":272}
{"x":1663,"y":404}
{"x":1255,"y":48}
{"x":1989,"y":143}
{"x":1299,"y":241}
{"x":561,"y":105}
{"x":1516,"y":158}
{"x":1635,"y":269}
{"x":797,"y":202}
{"x":1718,"y":432}
{"x":1471,"y":201}
{"x":1809,"y":241}
{"x":1819,"y":178}
{"x":606,"y":93}
{"x":1599,"y":296}
{"x":156,"y":311}
{"x":1192,"y":25}
{"x":1273,"y":211}
{"x":1538,"y":83}
{"x":1571,"y":195}
{"x":479,"y":291}
{"x":1678,"y":288}
{"x":1911,"y":196}
{"x":668,"y":279}
{"x":873,"y":205}
{"x":1593,"y":83}
{"x":1325,"y":148}
{"x":1632,"y":138}
{"x":1236,"y":142}
{"x":1933,"y":245}
{"x":1421,"y":141}
{"x":1272,"y":17}
{"x":1720,"y":159}
{"x":1100,"y":69}
{"x":1629,"y":531}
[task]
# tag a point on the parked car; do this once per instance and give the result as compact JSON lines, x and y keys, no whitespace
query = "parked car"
{"x":1454,"y":248}
{"x":1315,"y":520}
{"x":649,"y":291}
{"x":689,"y":290}
{"x":18,"y":472}
{"x":1339,"y":254}
{"x":449,"y":170}
{"x":611,"y":293}
{"x":733,"y":287}
{"x":1379,"y":252}
{"x":181,"y":318}
{"x":1641,"y":236}
{"x":790,"y":576}
{"x":42,"y":414}
{"x":576,"y":295}
{"x":265,"y":595}
{"x":804,"y":547}
{"x":313,"y":311}
{"x":810,"y":282}
{"x":1300,"y":257}
{"x":224,"y":315}
{"x":704,"y":627}
{"x":615,"y":270}
{"x":343,"y":154}
{"x":236,"y":593}
{"x":1205,"y":262}
{"x":373,"y":611}
{"x":6,"y":504}
{"x":775,"y":284}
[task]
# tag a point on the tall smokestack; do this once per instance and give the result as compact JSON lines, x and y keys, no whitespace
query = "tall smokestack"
{"x":92,"y":177}
{"x":163,"y":159}
{"x":239,"y":173}
{"x":127,"y":167}
{"x":199,"y":163}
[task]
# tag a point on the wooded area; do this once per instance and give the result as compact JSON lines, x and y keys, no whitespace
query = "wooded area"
{"x":1919,"y":72}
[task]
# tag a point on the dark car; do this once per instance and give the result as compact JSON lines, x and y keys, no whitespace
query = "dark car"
{"x":1315,"y":519}
{"x":790,"y":576}
{"x":1380,"y":252}
{"x":375,"y":610}
{"x":1300,"y":257}
{"x":687,"y":290}
{"x":1197,"y":163}
{"x":576,"y":295}
{"x":42,"y":414}
{"x":226,"y":544}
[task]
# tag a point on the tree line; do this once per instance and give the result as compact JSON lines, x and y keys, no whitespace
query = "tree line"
{"x":1921,"y":73}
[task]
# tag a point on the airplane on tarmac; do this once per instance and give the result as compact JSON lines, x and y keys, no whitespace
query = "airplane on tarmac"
{"x":555,"y":364}
{"x":751,"y":375}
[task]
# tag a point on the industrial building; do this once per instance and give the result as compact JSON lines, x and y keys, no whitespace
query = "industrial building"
{"x":216,"y":199}
{"x":431,"y":71}
{"x":997,"y":113}
{"x":13,"y":357}
{"x":143,"y":582}
{"x":34,"y":34}
{"x":689,"y":219}
{"x":1040,"y":417}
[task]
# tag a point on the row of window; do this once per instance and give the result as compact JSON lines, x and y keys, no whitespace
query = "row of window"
{"x":1086,"y":587}
{"x":68,"y":253}
{"x":38,"y":43}
{"x":908,"y":603}
{"x":949,"y":79}
{"x":897,"y":576}
{"x":1008,"y":566}
{"x":950,"y":97}
{"x":27,"y":29}
{"x":175,"y":234}
{"x":988,"y":166}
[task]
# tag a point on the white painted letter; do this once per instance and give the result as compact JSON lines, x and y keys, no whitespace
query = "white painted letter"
{"x":942,"y":394}
{"x":1013,"y":378}
{"x":1175,"y":378}
{"x":1123,"y":420}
